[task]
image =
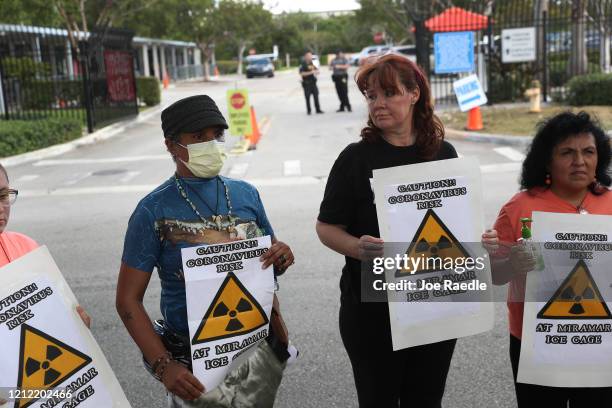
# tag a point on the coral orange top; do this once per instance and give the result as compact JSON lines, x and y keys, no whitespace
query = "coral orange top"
{"x":508,"y":228}
{"x":14,"y":245}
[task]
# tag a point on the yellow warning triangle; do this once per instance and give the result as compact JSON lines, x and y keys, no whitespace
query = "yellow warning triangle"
{"x":433,"y":242}
{"x":45,"y":362}
{"x":233,"y":311}
{"x":578,"y":297}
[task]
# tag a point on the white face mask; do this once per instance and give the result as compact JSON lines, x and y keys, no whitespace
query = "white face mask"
{"x":205,"y":158}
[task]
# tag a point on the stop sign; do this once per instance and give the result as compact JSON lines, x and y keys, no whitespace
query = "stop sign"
{"x":237,"y":100}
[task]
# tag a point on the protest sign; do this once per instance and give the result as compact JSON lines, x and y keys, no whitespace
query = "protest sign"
{"x":567,"y":324}
{"x":229,"y":301}
{"x":48,"y":356}
{"x":431,"y":214}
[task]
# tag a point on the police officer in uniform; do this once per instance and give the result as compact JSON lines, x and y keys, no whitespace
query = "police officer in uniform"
{"x":309,"y":73}
{"x":340,"y":66}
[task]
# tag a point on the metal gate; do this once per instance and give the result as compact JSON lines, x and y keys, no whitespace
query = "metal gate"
{"x":573,"y":37}
{"x":43,"y":75}
{"x":110,"y":84}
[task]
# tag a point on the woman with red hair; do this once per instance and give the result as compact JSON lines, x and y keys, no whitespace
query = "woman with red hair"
{"x":401,"y":129}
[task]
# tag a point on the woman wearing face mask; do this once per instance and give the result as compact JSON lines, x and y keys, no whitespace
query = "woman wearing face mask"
{"x":194,"y":206}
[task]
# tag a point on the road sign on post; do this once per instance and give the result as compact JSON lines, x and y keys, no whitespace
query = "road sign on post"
{"x":518,"y":45}
{"x":239,"y":111}
{"x":469,"y":93}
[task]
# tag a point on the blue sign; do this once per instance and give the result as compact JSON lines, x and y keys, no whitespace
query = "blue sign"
{"x":454,"y":52}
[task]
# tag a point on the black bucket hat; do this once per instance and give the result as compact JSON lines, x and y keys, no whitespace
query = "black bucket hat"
{"x":191,"y":114}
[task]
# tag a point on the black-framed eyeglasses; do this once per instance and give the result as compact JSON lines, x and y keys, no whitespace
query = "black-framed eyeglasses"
{"x":8,"y":196}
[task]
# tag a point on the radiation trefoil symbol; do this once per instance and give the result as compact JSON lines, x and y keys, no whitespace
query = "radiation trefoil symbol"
{"x":578,"y":297}
{"x":233,"y":311}
{"x":432,"y":241}
{"x":51,"y":374}
{"x":45,"y":362}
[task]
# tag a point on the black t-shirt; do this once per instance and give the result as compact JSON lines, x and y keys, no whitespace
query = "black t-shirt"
{"x":310,"y":79}
{"x":349,"y":201}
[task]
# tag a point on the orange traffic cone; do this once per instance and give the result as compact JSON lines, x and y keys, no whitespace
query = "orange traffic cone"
{"x":166,"y":80}
{"x":474,"y":119}
{"x":255,"y":134}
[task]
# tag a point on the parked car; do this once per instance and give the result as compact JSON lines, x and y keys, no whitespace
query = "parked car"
{"x":406,"y":50}
{"x":259,"y":67}
{"x":369,"y":52}
{"x":559,"y":41}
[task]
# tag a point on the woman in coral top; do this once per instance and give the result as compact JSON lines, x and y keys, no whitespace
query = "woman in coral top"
{"x":14,"y":245}
{"x":565,"y":171}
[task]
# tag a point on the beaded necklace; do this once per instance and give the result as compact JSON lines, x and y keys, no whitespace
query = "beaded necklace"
{"x":217,"y":220}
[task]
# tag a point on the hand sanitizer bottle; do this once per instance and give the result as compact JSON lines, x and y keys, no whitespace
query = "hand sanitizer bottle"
{"x":526,"y":240}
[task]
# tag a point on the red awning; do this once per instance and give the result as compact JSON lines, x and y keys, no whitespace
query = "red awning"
{"x":457,"y":19}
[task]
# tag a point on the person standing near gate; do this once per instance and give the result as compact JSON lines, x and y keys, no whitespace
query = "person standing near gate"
{"x":340,"y":66}
{"x":309,"y":72}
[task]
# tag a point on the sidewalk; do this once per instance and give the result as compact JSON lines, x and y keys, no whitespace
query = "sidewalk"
{"x":483,"y":137}
{"x":168,"y":96}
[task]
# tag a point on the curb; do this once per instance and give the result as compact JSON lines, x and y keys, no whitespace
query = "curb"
{"x":95,"y":137}
{"x":521,"y":141}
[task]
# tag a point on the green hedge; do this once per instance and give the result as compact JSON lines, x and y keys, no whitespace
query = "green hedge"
{"x":229,"y":67}
{"x":592,"y":89}
{"x":24,"y":68}
{"x":148,"y":91}
{"x":43,"y":94}
{"x":558,"y":72}
{"x":21,"y":136}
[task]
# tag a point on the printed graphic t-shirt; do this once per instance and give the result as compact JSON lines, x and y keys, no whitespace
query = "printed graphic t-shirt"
{"x":163,"y":223}
{"x":508,"y":226}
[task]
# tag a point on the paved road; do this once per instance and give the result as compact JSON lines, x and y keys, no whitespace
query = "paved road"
{"x":78,"y":205}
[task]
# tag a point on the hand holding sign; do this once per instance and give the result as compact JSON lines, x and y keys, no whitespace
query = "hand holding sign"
{"x":370,"y":247}
{"x":279,"y":255}
{"x":522,"y":259}
{"x":490,"y":241}
{"x":84,"y":316}
{"x":179,"y":381}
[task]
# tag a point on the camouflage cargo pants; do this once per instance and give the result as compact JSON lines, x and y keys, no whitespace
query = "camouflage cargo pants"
{"x":251,"y":385}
